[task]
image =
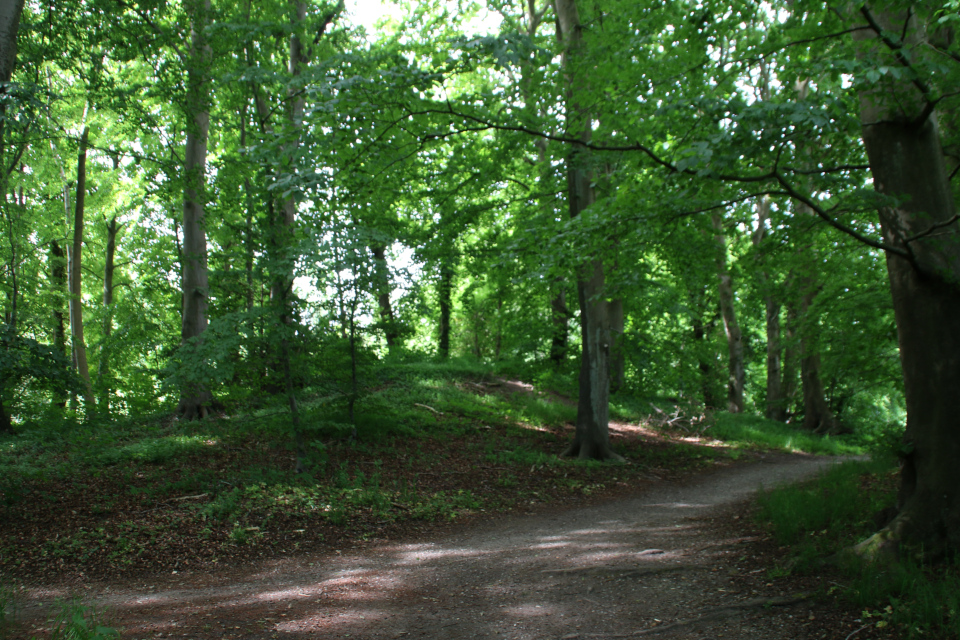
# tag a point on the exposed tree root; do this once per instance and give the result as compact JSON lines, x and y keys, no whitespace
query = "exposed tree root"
{"x":712,"y":615}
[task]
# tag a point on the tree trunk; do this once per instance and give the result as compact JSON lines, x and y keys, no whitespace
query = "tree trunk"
{"x":736,"y":371}
{"x":791,"y":355}
{"x":196,"y":401}
{"x":58,"y":277}
{"x":700,"y":332}
{"x":903,"y":146}
{"x":445,"y":293}
{"x":817,"y":415}
{"x":559,"y":317}
{"x":10,"y":11}
{"x":382,"y":278}
{"x":592,"y":438}
{"x":76,"y":288}
{"x":103,"y":371}
{"x":776,"y":407}
{"x":618,"y":360}
{"x":248,"y":240}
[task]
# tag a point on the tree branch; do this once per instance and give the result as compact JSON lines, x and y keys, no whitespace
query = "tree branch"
{"x":826,"y":217}
{"x":927,"y":232}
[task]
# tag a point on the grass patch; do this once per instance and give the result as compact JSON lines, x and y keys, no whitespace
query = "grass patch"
{"x":820,"y":518}
{"x":744,"y":430}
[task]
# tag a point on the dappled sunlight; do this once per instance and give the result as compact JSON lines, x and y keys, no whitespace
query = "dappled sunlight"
{"x":531,"y":610}
{"x":425,"y":556}
{"x":340,"y":619}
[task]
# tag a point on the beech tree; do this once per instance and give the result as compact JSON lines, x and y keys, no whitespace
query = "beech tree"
{"x":922,"y":245}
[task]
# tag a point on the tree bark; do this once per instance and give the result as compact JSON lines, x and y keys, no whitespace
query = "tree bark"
{"x":791,"y":355}
{"x":58,"y":277}
{"x":903,"y":146}
{"x":109,"y":266}
{"x":382,"y":278}
{"x":776,"y":406}
{"x":196,"y":401}
{"x":445,"y":294}
{"x":76,"y":288}
{"x":737,"y":373}
{"x":618,"y":360}
{"x":817,"y":415}
{"x":704,"y":365}
{"x":559,"y":317}
{"x":592,"y":438}
{"x":10,"y":11}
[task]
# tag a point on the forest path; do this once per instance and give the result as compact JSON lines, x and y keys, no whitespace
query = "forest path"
{"x":655,"y":564}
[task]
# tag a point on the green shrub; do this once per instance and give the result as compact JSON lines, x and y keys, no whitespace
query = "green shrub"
{"x":78,"y":622}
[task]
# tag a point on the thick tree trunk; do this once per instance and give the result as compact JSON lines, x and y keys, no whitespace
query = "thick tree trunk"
{"x":903,"y":145}
{"x":445,"y":294}
{"x":737,"y":372}
{"x":382,"y":278}
{"x":196,"y":401}
{"x":76,"y":288}
{"x":103,"y":370}
{"x":592,"y":439}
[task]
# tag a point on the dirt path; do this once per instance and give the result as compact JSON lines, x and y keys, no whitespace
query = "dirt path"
{"x":646,"y":566}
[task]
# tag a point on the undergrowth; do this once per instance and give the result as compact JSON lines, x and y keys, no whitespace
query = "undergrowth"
{"x":752,"y":431}
{"x":821,"y":518}
{"x":428,"y":442}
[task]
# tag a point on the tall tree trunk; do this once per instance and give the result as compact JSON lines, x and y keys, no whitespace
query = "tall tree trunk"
{"x":248,"y":240}
{"x":791,"y":356}
{"x":704,"y":365}
{"x":58,"y":277}
{"x":76,"y":288}
{"x":445,"y":294}
{"x":382,"y":279}
{"x":776,"y":406}
{"x":281,"y":290}
{"x":559,"y":317}
{"x":618,"y":360}
{"x":903,"y":146}
{"x":737,"y":373}
{"x":592,"y":438}
{"x":817,"y":415}
{"x":109,"y":266}
{"x":196,"y":401}
{"x":10,"y":11}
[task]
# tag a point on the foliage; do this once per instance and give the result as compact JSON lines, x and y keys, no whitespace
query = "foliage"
{"x":822,"y":518}
{"x":78,"y":622}
{"x":754,"y":431}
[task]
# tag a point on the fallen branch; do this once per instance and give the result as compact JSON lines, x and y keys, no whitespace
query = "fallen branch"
{"x":423,"y":406}
{"x":196,"y":497}
{"x":853,"y":633}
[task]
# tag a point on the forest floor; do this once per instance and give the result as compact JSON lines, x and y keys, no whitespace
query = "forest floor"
{"x":679,"y":559}
{"x":476,"y":531}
